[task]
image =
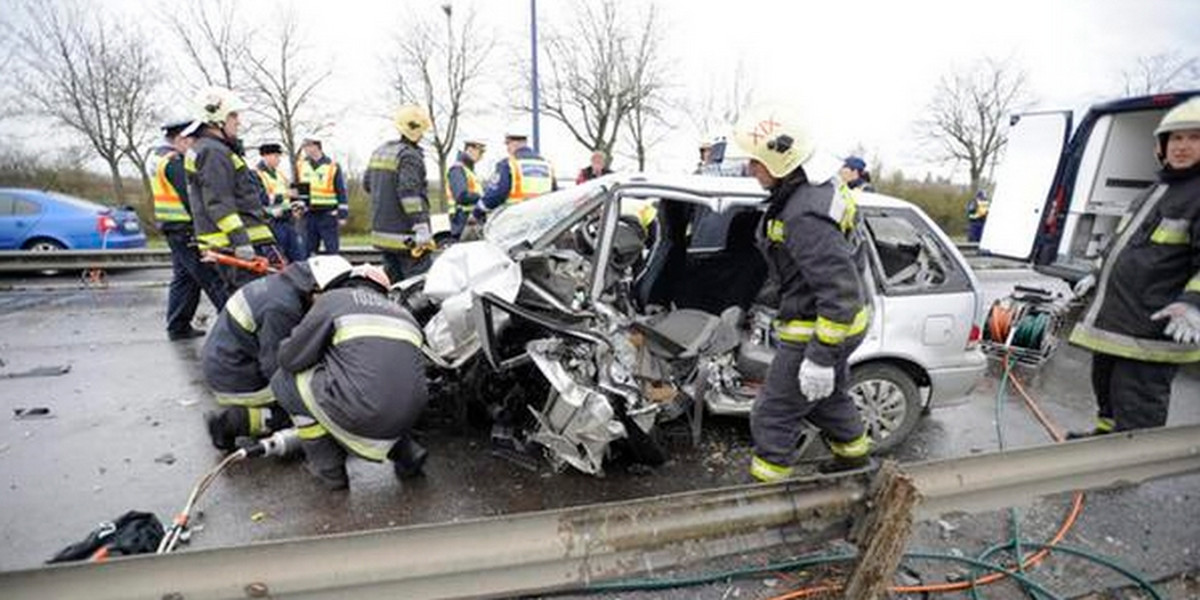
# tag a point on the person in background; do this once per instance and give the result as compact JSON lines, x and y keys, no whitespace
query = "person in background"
{"x":328,"y":204}
{"x":977,"y":212}
{"x":280,"y":208}
{"x":395,"y":179}
{"x":598,"y":167}
{"x":855,"y":175}
{"x":523,"y":175}
{"x":174,"y":218}
{"x":462,"y":186}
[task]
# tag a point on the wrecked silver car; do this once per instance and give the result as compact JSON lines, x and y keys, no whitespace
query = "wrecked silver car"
{"x":582,"y":326}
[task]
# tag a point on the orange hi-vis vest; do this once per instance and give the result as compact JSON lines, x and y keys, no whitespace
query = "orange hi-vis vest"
{"x":276,"y":185}
{"x":168,"y":202}
{"x":473,"y":186}
{"x":530,"y":177}
{"x":320,"y":180}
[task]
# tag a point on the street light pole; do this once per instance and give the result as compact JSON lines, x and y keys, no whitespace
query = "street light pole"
{"x":534,"y":78}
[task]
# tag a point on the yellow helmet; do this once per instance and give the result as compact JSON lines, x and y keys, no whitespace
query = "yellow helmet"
{"x":1185,"y":115}
{"x":213,"y":104}
{"x":775,"y":138}
{"x":413,"y":121}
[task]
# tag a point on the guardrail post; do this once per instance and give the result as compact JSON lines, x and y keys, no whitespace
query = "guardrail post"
{"x":882,"y":533}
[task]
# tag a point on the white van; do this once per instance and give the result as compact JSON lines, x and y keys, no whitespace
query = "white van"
{"x":1059,"y":196}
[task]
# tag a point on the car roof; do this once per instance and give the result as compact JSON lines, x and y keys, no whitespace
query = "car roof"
{"x":717,"y":192}
{"x":57,"y":197}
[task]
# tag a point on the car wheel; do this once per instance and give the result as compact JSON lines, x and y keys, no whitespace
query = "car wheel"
{"x":889,"y":401}
{"x":44,"y":245}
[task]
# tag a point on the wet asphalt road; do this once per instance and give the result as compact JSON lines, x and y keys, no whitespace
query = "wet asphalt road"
{"x":124,"y":431}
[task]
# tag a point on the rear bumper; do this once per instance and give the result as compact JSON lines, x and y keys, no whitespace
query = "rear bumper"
{"x":953,"y":383}
{"x":125,"y":241}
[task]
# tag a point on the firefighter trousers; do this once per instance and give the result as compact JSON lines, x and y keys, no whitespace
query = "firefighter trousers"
{"x":777,"y":418}
{"x":1131,"y":394}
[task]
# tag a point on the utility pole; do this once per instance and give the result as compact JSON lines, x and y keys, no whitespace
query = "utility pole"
{"x":534,"y":79}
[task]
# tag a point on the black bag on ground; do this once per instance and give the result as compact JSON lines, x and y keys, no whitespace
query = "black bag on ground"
{"x":131,"y":533}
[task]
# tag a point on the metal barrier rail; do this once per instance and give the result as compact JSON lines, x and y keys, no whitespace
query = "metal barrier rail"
{"x":22,"y":261}
{"x":532,"y":552}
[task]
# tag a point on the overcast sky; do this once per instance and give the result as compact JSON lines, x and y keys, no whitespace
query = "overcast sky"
{"x":862,"y":70}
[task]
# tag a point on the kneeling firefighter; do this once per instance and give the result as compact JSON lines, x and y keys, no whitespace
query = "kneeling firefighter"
{"x":815,"y":254}
{"x":353,"y":378}
{"x":239,"y":356}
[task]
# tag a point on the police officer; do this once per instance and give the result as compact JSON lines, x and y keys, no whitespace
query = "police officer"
{"x":328,"y":204}
{"x":400,"y":197}
{"x":977,"y":212}
{"x":353,"y":378}
{"x":279,"y":206}
{"x":174,"y":218}
{"x":239,"y":356}
{"x":462,"y":186}
{"x":523,"y":175}
{"x":224,"y":192}
{"x":855,"y":175}
{"x":809,"y":238}
{"x":1145,"y":319}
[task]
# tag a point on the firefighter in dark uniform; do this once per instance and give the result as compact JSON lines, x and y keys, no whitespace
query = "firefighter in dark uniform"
{"x":239,"y":356}
{"x":1145,"y":319}
{"x":225,"y":192}
{"x":395,"y":179}
{"x":188,"y":275}
{"x":809,"y":238}
{"x":462,"y":186}
{"x":521,"y":176}
{"x":352,"y":376}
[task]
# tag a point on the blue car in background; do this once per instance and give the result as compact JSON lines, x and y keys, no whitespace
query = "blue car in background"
{"x":45,"y":221}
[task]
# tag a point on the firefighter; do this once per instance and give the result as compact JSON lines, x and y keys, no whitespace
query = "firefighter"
{"x":523,"y":175}
{"x":188,"y":275}
{"x":1145,"y":319}
{"x":352,"y":377}
{"x":395,"y":179}
{"x":224,"y":192}
{"x":814,"y":251}
{"x":239,"y":356}
{"x":280,"y":207}
{"x":328,"y":204}
{"x":462,"y":186}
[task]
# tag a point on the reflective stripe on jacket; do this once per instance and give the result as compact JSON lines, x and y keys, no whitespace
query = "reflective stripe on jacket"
{"x":1153,"y":261}
{"x":811,"y":241}
{"x":322,"y":182}
{"x":462,"y":186}
{"x":530,"y":177}
{"x":170,"y":206}
{"x":395,"y":179}
{"x":224,"y":198}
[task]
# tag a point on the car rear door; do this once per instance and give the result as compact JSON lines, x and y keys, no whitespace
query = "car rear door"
{"x":17,"y":218}
{"x":1036,"y":142}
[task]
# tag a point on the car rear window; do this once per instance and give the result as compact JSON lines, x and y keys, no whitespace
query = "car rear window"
{"x":79,"y":203}
{"x":911,"y":258}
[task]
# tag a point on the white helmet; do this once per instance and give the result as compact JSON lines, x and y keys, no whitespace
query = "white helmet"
{"x":1185,"y":115}
{"x":775,"y":137}
{"x":328,"y":269}
{"x":374,"y":274}
{"x":213,"y":104}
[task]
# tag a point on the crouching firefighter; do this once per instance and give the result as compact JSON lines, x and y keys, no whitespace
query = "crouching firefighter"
{"x":239,"y":356}
{"x":353,"y":378}
{"x":814,"y":253}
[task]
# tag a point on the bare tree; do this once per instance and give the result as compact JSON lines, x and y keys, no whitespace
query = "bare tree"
{"x":284,"y":79}
{"x":647,"y":78}
{"x":718,"y":106}
{"x":87,"y":74}
{"x":136,"y":125}
{"x":594,"y":79}
{"x":440,"y":71}
{"x":212,"y":40}
{"x":1164,"y":72}
{"x":969,"y":112}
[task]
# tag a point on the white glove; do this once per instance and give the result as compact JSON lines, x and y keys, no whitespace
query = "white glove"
{"x":1184,"y":326}
{"x":816,"y":382}
{"x":1083,"y":286}
{"x":244,"y":252}
{"x":421,"y":234}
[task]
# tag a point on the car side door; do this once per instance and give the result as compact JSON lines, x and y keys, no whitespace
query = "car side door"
{"x":12,"y":226}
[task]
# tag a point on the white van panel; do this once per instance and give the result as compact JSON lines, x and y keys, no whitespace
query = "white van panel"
{"x":1035,"y":144}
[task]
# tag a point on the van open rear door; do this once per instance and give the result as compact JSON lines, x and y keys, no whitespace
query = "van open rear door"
{"x":1036,"y":141}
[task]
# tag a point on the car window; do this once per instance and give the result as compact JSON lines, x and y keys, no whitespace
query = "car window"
{"x":528,"y":221}
{"x":25,"y":207}
{"x":6,"y":205}
{"x":909,"y":256}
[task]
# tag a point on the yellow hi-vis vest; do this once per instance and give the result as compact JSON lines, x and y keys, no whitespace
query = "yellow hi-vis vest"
{"x":530,"y":177}
{"x":276,"y":185}
{"x":472,"y":186}
{"x":168,"y":203}
{"x":322,"y":194}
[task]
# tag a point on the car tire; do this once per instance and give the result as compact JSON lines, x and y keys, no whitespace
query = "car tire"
{"x":44,"y":245}
{"x":888,"y":400}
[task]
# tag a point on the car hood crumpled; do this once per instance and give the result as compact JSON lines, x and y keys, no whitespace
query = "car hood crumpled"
{"x":462,"y":272}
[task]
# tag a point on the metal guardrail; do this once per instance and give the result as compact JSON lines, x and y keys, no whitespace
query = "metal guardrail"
{"x":533,"y":552}
{"x":24,"y":261}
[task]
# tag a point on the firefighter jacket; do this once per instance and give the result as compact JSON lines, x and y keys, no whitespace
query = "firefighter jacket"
{"x":517,"y":178}
{"x":225,"y":197}
{"x":169,"y":187}
{"x":814,"y":251}
{"x":239,"y":354}
{"x":275,"y":185}
{"x":357,"y":357}
{"x":399,"y":194}
{"x":1153,"y":261}
{"x":462,"y":187}
{"x":326,"y":186}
